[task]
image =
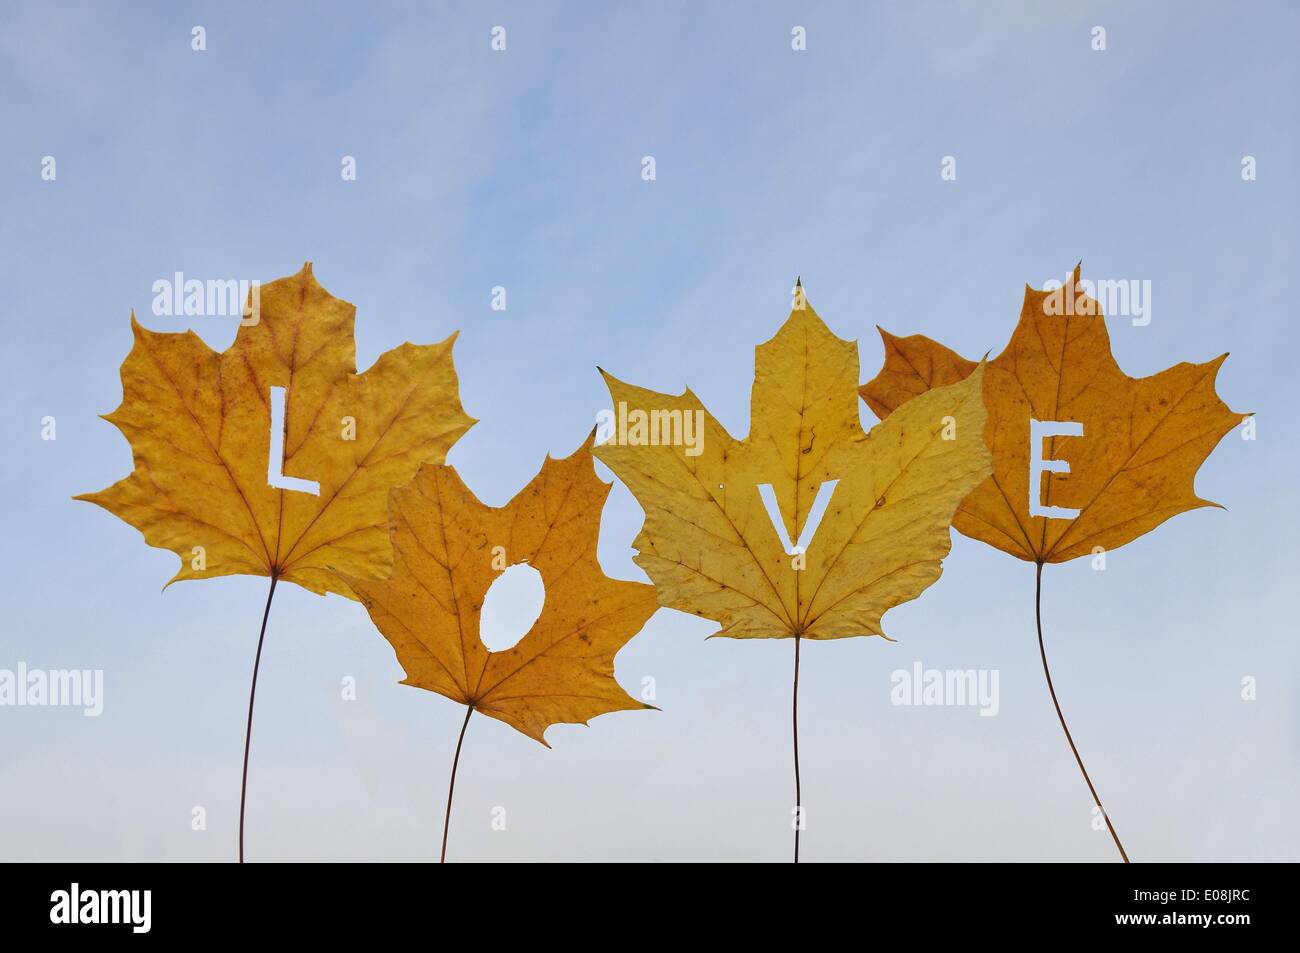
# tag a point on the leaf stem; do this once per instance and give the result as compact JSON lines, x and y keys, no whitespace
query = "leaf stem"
{"x":798,"y":794}
{"x":451,"y":788}
{"x":248,"y":731}
{"x":1038,"y":616}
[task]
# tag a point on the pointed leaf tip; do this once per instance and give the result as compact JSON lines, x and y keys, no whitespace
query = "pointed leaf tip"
{"x":1029,"y":374}
{"x":801,"y":423}
{"x":156,"y":387}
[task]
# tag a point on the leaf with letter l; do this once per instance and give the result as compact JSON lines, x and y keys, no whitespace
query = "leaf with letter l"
{"x":199,"y":424}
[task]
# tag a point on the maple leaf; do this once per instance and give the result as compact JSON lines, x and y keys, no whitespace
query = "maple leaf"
{"x":445,"y":544}
{"x":1125,"y":459}
{"x":708,"y":542}
{"x":199,"y":425}
{"x":1134,"y":465}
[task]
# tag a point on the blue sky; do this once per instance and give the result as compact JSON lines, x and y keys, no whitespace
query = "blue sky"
{"x":522,"y":169}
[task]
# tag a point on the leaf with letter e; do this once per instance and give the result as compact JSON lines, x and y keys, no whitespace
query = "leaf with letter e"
{"x":1085,"y":458}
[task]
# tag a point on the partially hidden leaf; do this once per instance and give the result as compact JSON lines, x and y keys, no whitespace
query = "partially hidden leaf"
{"x":199,"y":424}
{"x":1133,"y":467}
{"x":708,"y":542}
{"x":448,"y":549}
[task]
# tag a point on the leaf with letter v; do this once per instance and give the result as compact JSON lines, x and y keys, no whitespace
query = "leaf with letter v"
{"x":708,"y":542}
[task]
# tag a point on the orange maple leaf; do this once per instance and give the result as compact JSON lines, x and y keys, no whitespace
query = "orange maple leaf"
{"x":1133,"y":467}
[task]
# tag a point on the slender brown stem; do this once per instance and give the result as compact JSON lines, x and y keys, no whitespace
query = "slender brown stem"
{"x":1038,"y":616}
{"x":451,"y":788}
{"x":248,"y":731}
{"x":798,"y":793}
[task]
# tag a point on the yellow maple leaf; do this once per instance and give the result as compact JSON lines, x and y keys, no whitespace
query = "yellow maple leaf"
{"x":708,"y":542}
{"x":199,"y":424}
{"x":448,"y":549}
{"x":1119,"y":455}
{"x":1133,"y":466}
